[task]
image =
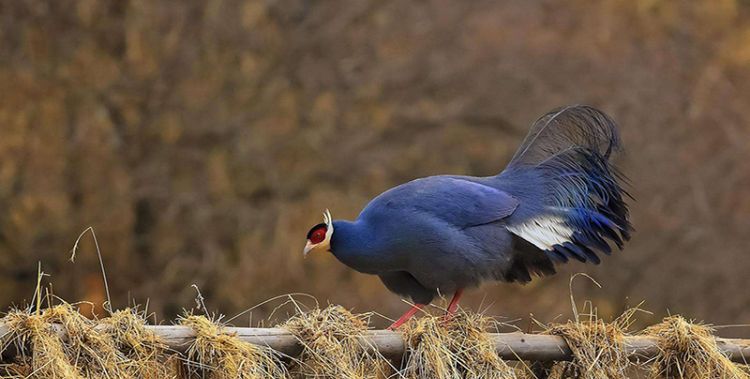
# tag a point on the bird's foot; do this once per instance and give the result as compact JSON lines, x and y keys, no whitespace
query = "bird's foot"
{"x":406,"y":316}
{"x":453,"y":306}
{"x":447,"y":318}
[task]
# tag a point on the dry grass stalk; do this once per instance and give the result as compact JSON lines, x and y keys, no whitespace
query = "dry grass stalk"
{"x":458,"y":348}
{"x":126,"y":328}
{"x":331,"y":339}
{"x":59,"y":343}
{"x":42,"y":354}
{"x":597,"y":347}
{"x":216,"y":354}
{"x":689,"y":351}
{"x":117,"y":347}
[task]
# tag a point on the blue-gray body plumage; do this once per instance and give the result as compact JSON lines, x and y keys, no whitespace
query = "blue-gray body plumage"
{"x":558,"y":199}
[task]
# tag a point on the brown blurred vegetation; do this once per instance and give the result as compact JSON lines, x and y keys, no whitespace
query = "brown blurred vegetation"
{"x":201,"y":139}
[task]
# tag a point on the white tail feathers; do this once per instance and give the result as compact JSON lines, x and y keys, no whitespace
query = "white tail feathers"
{"x":543,"y":232}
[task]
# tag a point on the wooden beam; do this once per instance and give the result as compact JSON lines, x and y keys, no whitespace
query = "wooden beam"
{"x":509,"y":346}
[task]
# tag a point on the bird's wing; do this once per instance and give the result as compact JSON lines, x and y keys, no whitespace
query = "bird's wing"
{"x":454,"y":200}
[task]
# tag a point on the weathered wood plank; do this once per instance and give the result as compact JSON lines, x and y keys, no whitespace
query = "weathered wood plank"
{"x":509,"y":346}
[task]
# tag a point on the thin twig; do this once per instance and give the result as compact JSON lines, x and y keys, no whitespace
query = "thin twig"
{"x":108,"y":306}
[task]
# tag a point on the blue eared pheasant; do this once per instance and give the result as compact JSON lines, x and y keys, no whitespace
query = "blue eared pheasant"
{"x":560,"y":198}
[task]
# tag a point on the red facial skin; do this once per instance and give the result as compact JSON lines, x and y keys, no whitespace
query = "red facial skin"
{"x":318,"y":235}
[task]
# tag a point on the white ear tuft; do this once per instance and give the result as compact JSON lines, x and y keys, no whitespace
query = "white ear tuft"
{"x":329,"y":228}
{"x":327,"y":219}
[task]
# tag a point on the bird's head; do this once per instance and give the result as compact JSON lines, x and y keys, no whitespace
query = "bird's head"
{"x":319,"y":236}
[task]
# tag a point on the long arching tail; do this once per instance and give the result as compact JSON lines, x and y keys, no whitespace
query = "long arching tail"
{"x":571,"y":198}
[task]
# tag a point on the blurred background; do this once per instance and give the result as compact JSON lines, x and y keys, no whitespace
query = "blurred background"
{"x":202,"y":139}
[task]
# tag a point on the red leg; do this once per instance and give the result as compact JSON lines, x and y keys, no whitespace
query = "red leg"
{"x":414,"y":309}
{"x":454,"y":303}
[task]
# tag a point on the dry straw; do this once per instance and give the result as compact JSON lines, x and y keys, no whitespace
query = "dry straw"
{"x":333,"y":345}
{"x":127,"y":330}
{"x":689,"y":351}
{"x":216,"y":354}
{"x":597,"y":347}
{"x":457,"y":348}
{"x":60,"y":343}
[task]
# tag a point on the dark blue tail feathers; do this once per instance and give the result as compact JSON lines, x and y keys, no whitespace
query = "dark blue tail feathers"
{"x":583,"y":208}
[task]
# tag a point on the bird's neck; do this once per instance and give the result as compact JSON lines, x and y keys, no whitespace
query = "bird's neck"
{"x":355,"y":245}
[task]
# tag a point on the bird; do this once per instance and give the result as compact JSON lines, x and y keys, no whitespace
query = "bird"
{"x":559,"y":199}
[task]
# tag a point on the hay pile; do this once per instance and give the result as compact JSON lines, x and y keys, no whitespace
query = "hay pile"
{"x":597,"y":348}
{"x":60,"y":343}
{"x":146,"y":352}
{"x":457,"y":348}
{"x":216,"y":354}
{"x":689,"y":351}
{"x":332,"y":348}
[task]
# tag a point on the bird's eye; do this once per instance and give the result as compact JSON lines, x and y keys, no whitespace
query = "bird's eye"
{"x":317,"y":234}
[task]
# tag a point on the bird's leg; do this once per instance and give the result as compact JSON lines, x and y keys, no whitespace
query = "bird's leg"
{"x":406,"y":316}
{"x":453,"y":304}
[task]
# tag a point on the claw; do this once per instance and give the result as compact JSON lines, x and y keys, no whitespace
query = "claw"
{"x":406,"y":316}
{"x":453,"y":305}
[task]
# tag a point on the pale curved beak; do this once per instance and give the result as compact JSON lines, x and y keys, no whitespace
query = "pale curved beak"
{"x":308,"y":248}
